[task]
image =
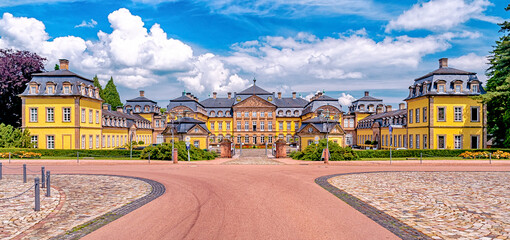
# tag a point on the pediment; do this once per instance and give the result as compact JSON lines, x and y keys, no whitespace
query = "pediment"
{"x":254,"y":101}
{"x":197,"y":129}
{"x":309,"y":129}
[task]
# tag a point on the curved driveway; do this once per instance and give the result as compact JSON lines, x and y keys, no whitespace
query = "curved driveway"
{"x":209,"y":201}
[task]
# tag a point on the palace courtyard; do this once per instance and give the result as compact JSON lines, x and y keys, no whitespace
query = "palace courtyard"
{"x":263,"y":198}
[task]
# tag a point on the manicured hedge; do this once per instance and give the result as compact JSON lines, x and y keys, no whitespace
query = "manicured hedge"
{"x":313,"y":152}
{"x":164,"y":152}
{"x":72,"y":153}
{"x":417,"y":152}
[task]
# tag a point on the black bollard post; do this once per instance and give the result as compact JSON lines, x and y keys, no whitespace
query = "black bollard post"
{"x":48,"y":184}
{"x":78,"y":157}
{"x":0,"y":171}
{"x":37,"y":197}
{"x":43,"y":179}
{"x":149,"y":158}
{"x":24,"y":173}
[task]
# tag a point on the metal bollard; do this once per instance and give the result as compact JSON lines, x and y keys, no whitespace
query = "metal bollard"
{"x":421,"y":158}
{"x":48,"y":184}
{"x":77,"y":157}
{"x":490,"y":161}
{"x":0,"y":171}
{"x":24,"y":173}
{"x":9,"y":157}
{"x":37,"y":197}
{"x":149,"y":158}
{"x":43,"y":179}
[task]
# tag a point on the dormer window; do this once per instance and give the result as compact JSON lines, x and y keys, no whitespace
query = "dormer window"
{"x":67,"y":89}
{"x":417,"y":91}
{"x":33,"y":89}
{"x":97,"y":93}
{"x":91,"y":92}
{"x":474,"y":88}
{"x":50,"y":88}
{"x":146,"y":108}
{"x":458,"y":88}
{"x":137,"y":108}
{"x":441,"y":88}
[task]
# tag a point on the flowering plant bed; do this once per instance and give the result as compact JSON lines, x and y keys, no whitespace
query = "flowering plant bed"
{"x":497,"y":154}
{"x":20,"y":154}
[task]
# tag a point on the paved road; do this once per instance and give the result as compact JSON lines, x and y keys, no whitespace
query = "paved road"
{"x":244,"y":202}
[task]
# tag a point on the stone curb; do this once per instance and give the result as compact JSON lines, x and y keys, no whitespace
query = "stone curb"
{"x":80,"y":231}
{"x":394,"y":225}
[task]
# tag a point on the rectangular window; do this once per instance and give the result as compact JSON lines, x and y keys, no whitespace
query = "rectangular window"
{"x":50,"y":89}
{"x":246,"y":127}
{"x":262,"y":114}
{"x":103,"y":142}
{"x":296,"y":126}
{"x":417,"y":141}
{"x":50,"y":115}
{"x":83,"y":142}
{"x":425,"y":114}
{"x":270,"y":139}
{"x":424,"y":141}
{"x":474,"y":141}
{"x":246,"y":114}
{"x":83,"y":115}
{"x":457,"y":113}
{"x":108,"y":142}
{"x":34,"y":141}
{"x":474,"y":87}
{"x":247,"y":139}
{"x":270,"y":126}
{"x":254,"y":125}
{"x":238,"y":125}
{"x":410,"y":116}
{"x":404,"y":140}
{"x":441,"y":114}
{"x":238,"y":114}
{"x":457,"y":88}
{"x":457,"y":141}
{"x":220,"y":125}
{"x":90,"y":116}
{"x":394,"y":142}
{"x":66,"y":117}
{"x":288,"y":126}
{"x":262,"y":139}
{"x":97,"y":117}
{"x":212,"y":125}
{"x":351,"y":123}
{"x":33,"y":114}
{"x":280,"y":125}
{"x":270,"y":114}
{"x":91,"y":143}
{"x":97,"y":141}
{"x":66,"y":89}
{"x":410,"y":141}
{"x":475,"y":114}
{"x":33,"y":89}
{"x":238,"y":138}
{"x":399,"y":140}
{"x":254,"y":114}
{"x":228,"y":125}
{"x":261,"y":126}
{"x":196,"y":144}
{"x":50,"y":142}
{"x":346,"y":123}
{"x":441,"y":140}
{"x":417,"y":115}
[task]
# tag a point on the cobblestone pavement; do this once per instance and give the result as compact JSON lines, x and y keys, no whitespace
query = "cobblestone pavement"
{"x":442,"y":205}
{"x":253,"y":157}
{"x":75,"y":200}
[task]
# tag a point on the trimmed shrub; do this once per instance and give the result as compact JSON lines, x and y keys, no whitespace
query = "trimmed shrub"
{"x":313,"y":152}
{"x":416,"y":153}
{"x":115,"y":153}
{"x":164,"y":152}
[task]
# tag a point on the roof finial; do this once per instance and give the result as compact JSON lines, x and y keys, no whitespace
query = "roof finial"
{"x":254,"y":80}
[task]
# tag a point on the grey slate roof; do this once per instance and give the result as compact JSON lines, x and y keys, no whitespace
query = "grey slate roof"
{"x":401,"y":113}
{"x":290,"y":102}
{"x":61,"y":73}
{"x":254,"y":90}
{"x":445,"y":71}
{"x":320,"y":124}
{"x":368,"y":98}
{"x":183,"y":125}
{"x":184,"y":101}
{"x":217,"y":103}
{"x":321,"y":101}
{"x":140,"y":99}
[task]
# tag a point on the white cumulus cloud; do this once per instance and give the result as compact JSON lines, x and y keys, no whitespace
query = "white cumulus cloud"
{"x":91,"y":24}
{"x":346,"y":99}
{"x":441,"y":15}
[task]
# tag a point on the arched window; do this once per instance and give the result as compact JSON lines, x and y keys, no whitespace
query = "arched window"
{"x":288,"y":113}
{"x":220,"y":114}
{"x":296,"y":113}
{"x":212,"y":114}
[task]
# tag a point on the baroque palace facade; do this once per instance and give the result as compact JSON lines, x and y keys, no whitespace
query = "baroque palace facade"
{"x":63,"y":110}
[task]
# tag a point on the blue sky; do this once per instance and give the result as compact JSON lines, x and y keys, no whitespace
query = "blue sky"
{"x":341,"y":46}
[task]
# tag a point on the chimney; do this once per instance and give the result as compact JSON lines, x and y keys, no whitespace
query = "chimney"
{"x":379,"y":110}
{"x":279,"y":95}
{"x":402,"y":106}
{"x":188,"y":95}
{"x":107,"y":106}
{"x":142,"y":93}
{"x":293,"y":95}
{"x":388,"y":108}
{"x":183,"y":93}
{"x":119,"y":109}
{"x":443,"y":63}
{"x":229,"y":94}
{"x":214,"y":95}
{"x":64,"y":64}
{"x":319,"y":94}
{"x":366,"y":93}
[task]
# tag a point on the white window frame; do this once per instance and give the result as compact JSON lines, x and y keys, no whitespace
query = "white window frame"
{"x":50,"y":142}
{"x":33,"y":114}
{"x":457,"y":114}
{"x":50,"y":114}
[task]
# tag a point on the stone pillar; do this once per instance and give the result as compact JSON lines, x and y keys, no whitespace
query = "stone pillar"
{"x":225,"y":146}
{"x":280,"y":148}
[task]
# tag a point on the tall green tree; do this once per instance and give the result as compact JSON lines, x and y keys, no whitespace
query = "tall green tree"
{"x":57,"y":67}
{"x":110,"y":94}
{"x":498,"y":89}
{"x":11,"y":137}
{"x":98,"y":85}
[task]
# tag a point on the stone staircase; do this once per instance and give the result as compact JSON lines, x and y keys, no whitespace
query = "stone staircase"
{"x":254,"y":157}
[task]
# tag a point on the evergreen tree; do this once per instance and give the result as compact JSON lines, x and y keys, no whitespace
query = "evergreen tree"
{"x":110,"y":94}
{"x":57,"y":67}
{"x":98,"y":85}
{"x":498,"y":89}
